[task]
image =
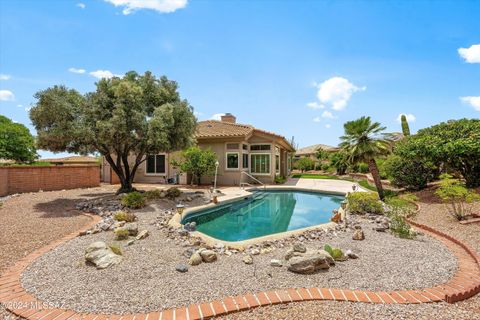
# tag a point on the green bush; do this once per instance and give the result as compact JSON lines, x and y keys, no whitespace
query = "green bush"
{"x":325,"y":166}
{"x":409,"y":173}
{"x":399,"y":209}
{"x":121,"y":234}
{"x":304,"y":164}
{"x":153,"y":194}
{"x":458,"y":198}
{"x":116,"y":249}
{"x":124,"y":216}
{"x":336,"y":253}
{"x":364,"y":202}
{"x":280,"y":179}
{"x":133,"y":200}
{"x":173,"y":193}
{"x":339,"y":161}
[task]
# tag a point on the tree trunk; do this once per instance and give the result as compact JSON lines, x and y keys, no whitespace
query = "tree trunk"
{"x":125,"y":184}
{"x":372,"y":166}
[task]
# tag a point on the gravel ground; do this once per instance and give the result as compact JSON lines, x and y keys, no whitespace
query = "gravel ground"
{"x":32,"y":220}
{"x":146,"y":280}
{"x":432,"y":213}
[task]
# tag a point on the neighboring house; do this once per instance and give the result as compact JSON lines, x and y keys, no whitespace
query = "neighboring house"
{"x":311,"y":151}
{"x":73,"y":160}
{"x":239,"y":148}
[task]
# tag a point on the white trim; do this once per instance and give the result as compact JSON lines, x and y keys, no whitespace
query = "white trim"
{"x":164,"y":174}
{"x":260,"y":143}
{"x":226,"y":161}
{"x":270,"y":166}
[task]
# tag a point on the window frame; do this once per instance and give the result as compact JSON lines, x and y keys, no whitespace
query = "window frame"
{"x":226,"y":160}
{"x":269,"y":167}
{"x":165,"y":167}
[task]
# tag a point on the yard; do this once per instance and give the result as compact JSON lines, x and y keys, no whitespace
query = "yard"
{"x":146,"y":279}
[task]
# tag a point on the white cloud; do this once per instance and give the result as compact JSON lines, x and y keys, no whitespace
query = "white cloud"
{"x":162,"y":6}
{"x":217,"y":116}
{"x":473,"y":101}
{"x":315,"y":105}
{"x":81,"y":5}
{"x":4,"y":77}
{"x":75,"y":70}
{"x":100,"y":74}
{"x":337,"y":91}
{"x":197,"y":114}
{"x":316,"y":119}
{"x":410,"y":117}
{"x":471,"y":55}
{"x":327,"y":126}
{"x":20,"y":105}
{"x":327,"y":114}
{"x":6,"y":95}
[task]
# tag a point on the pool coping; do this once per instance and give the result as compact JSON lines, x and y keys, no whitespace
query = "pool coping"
{"x":175,"y":221}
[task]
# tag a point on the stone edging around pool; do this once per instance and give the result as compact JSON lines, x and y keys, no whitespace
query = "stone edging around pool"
{"x":175,"y":221}
{"x":464,"y":284}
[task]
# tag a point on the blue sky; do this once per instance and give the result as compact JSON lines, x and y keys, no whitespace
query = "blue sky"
{"x":298,"y":68}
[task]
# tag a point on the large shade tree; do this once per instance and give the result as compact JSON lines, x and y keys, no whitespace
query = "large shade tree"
{"x":124,"y":119}
{"x":16,"y":142}
{"x":365,"y":141}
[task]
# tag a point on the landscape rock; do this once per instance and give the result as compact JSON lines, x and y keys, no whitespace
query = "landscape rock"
{"x":208,"y":255}
{"x":132,"y":228}
{"x":291,"y":253}
{"x":248,"y":259}
{"x":142,"y":235}
{"x":276,"y":263}
{"x":351,"y":254}
{"x":308,"y":264}
{"x":358,"y":234}
{"x":255,"y":252}
{"x":299,"y":247}
{"x":101,"y":255}
{"x":195,"y":259}
{"x":181,"y":267}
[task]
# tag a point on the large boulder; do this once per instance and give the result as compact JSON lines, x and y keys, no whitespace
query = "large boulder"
{"x":309,"y":263}
{"x":101,"y":256}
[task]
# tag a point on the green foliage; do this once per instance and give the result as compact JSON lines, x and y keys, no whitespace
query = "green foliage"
{"x":405,"y":126}
{"x":152,"y":194}
{"x":116,"y":249}
{"x":409,"y":172}
{"x":134,"y":200}
{"x":16,"y":142}
{"x":360,"y":168}
{"x":322,"y":154}
{"x":121,"y":234}
{"x":454,"y":144}
{"x":336,"y":253}
{"x":365,"y":141}
{"x":364,"y":202}
{"x":399,"y":209}
{"x":197,"y":162}
{"x":124,"y":216}
{"x":325,"y":166}
{"x":133,"y":115}
{"x":459,"y":199}
{"x":328,"y":248}
{"x":34,"y":164}
{"x":173,"y":193}
{"x":381,"y":168}
{"x":339,"y":160}
{"x":280,"y":179}
{"x":304,"y":164}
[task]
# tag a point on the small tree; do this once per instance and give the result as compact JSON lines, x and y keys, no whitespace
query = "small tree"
{"x":339,"y":160}
{"x":459,"y":199}
{"x":125,"y":119}
{"x":405,"y":127}
{"x":16,"y":142}
{"x":197,"y":162}
{"x":304,"y":164}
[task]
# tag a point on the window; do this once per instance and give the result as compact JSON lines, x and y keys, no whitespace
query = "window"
{"x":277,"y":163}
{"x":260,"y":164}
{"x":245,"y":160}
{"x":244,"y":147}
{"x":258,"y":147}
{"x":156,"y":164}
{"x":232,"y":160}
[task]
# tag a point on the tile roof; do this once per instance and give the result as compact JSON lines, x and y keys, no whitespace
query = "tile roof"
{"x":73,"y":159}
{"x":314,"y":148}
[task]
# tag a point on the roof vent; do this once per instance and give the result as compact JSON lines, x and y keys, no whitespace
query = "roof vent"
{"x":228,"y":117}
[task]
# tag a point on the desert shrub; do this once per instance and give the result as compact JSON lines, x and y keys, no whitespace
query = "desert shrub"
{"x":133,"y":200}
{"x":339,"y":161}
{"x":173,"y":193}
{"x":116,"y":249}
{"x":153,"y":194}
{"x":304,"y":164}
{"x":280,"y":179}
{"x":121,"y":234}
{"x":410,"y":173}
{"x":457,"y":197}
{"x":124,"y":216}
{"x":364,"y":202}
{"x":399,"y":209}
{"x":325,"y":166}
{"x":381,"y":169}
{"x":360,"y":168}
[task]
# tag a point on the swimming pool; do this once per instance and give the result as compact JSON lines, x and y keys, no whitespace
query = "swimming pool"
{"x":265,"y":213}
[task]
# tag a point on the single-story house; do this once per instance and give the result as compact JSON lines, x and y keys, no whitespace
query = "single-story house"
{"x":239,"y":148}
{"x":73,"y":161}
{"x":311,"y":151}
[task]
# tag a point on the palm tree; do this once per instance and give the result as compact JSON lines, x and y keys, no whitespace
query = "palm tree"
{"x":364,"y":141}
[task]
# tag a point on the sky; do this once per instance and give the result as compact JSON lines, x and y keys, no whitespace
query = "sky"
{"x":297,"y":68}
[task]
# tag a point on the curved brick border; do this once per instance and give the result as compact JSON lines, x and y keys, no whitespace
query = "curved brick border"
{"x":463,"y":285}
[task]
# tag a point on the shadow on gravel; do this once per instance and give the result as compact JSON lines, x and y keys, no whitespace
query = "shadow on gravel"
{"x":58,"y":208}
{"x":98,"y":195}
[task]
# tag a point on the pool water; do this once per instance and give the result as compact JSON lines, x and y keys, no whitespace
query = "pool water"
{"x":266,"y":212}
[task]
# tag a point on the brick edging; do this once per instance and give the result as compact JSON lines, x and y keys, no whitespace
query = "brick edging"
{"x":464,"y":284}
